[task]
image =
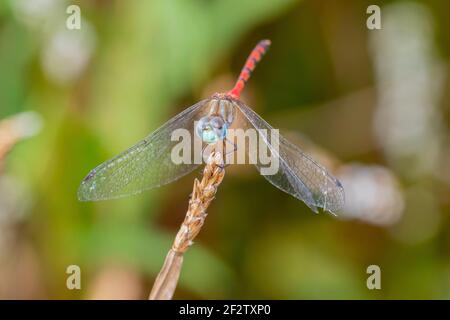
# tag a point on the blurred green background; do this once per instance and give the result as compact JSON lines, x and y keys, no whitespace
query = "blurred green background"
{"x":371,"y":105}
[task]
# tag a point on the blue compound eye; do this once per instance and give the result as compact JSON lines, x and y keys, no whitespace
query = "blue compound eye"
{"x":219,"y":126}
{"x":209,"y":136}
{"x":211,"y":129}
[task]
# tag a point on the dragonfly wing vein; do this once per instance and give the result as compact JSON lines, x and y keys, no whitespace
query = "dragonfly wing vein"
{"x":145,"y":165}
{"x":298,"y":174}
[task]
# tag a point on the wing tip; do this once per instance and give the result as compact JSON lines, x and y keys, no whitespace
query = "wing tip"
{"x":81,"y":194}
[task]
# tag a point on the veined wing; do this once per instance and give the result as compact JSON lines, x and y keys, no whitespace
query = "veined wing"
{"x":298,"y":174}
{"x":145,"y":165}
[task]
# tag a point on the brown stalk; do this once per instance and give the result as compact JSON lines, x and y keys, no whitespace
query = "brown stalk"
{"x":202,"y":195}
{"x":8,"y":138}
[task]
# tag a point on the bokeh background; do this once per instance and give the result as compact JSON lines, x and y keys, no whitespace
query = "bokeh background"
{"x":371,"y":105}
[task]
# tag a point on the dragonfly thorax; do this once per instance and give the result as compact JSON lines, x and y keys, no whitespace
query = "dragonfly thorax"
{"x":214,"y":126}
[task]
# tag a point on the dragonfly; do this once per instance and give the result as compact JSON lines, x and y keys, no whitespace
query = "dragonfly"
{"x":148,"y":164}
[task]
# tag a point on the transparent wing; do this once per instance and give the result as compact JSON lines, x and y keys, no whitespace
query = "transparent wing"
{"x":145,"y":165}
{"x":298,"y":174}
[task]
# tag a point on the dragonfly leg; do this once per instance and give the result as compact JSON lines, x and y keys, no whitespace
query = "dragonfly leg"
{"x":233,"y":144}
{"x":226,"y":163}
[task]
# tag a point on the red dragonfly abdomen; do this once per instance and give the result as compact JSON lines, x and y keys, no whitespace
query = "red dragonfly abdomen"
{"x":250,"y":65}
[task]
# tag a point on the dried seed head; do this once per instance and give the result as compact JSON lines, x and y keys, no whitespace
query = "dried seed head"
{"x":202,"y":194}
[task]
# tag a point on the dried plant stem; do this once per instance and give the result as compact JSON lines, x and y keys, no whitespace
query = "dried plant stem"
{"x":16,"y":128}
{"x":202,"y":195}
{"x":8,"y":138}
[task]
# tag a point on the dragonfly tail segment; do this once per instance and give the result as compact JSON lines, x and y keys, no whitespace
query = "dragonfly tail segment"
{"x":250,"y":65}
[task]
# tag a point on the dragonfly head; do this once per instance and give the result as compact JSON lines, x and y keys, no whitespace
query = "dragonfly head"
{"x":211,"y":129}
